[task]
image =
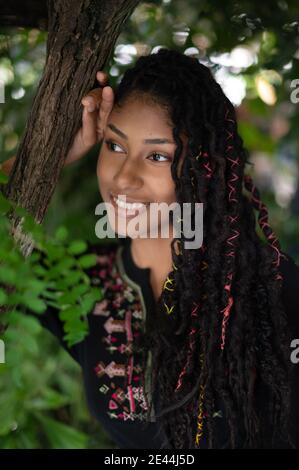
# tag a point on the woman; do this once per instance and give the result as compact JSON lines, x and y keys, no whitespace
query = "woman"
{"x":189,"y":348}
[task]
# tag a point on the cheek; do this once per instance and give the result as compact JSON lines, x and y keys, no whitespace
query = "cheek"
{"x":168,"y":190}
{"x":103,"y":172}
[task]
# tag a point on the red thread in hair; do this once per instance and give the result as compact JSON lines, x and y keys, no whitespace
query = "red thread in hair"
{"x":190,"y":350}
{"x":235,"y":233}
{"x":263,"y":221}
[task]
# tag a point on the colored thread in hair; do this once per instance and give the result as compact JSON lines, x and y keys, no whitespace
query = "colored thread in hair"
{"x":168,"y":281}
{"x":263,"y":221}
{"x":200,"y":416}
{"x":190,"y":350}
{"x":232,"y":190}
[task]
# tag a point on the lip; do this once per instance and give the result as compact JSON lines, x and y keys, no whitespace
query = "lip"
{"x":122,"y":212}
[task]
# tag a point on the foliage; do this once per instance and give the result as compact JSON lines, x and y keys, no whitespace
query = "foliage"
{"x":54,"y":275}
{"x":247,"y":44}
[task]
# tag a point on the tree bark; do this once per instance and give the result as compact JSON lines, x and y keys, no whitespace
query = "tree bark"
{"x":81,"y":37}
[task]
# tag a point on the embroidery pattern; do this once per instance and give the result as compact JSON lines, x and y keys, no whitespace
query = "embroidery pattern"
{"x":123,"y":322}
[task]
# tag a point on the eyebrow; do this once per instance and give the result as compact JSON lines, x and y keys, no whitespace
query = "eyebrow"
{"x":157,"y":140}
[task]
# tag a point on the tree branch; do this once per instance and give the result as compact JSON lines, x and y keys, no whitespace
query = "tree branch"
{"x":82,"y":34}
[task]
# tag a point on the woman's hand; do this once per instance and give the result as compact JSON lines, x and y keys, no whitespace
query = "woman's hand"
{"x":97,"y":105}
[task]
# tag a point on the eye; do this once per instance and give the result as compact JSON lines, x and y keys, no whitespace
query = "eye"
{"x":160,"y":155}
{"x":111,"y":146}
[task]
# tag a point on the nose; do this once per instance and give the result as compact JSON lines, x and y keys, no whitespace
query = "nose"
{"x":128,"y":176}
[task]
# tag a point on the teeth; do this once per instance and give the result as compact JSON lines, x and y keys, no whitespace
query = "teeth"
{"x":127,"y":205}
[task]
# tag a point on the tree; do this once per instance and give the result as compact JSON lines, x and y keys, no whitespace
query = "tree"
{"x":81,"y":36}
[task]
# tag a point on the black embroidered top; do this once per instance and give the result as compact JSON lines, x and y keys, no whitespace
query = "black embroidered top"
{"x":114,"y":323}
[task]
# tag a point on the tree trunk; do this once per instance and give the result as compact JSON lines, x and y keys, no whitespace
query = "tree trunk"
{"x":82,"y":35}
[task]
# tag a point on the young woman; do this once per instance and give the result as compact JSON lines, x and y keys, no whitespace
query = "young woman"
{"x":189,"y":348}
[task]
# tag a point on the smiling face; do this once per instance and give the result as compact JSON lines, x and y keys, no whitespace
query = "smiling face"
{"x":134,"y":162}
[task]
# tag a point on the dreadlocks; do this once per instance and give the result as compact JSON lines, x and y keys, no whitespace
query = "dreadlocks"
{"x":220,"y":328}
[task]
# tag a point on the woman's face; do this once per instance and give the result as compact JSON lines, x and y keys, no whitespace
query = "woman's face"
{"x":134,"y":164}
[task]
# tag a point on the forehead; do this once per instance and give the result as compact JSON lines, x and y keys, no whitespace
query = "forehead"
{"x":142,"y":116}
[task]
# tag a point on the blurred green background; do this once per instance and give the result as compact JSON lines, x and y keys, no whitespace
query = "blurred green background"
{"x":253,"y":51}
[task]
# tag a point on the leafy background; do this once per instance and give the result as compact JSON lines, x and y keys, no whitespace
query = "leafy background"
{"x":252,"y":48}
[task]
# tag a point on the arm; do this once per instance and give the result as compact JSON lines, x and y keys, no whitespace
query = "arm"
{"x":97,"y":105}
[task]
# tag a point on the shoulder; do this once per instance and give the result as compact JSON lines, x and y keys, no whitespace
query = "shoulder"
{"x":290,"y":290}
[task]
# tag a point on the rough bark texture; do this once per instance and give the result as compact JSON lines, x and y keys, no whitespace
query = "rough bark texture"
{"x":82,"y":34}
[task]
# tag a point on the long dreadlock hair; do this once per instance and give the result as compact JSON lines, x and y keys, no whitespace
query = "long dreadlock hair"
{"x":220,"y":328}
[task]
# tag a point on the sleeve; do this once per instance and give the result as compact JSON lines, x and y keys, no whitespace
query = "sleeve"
{"x":290,"y":297}
{"x":51,"y":321}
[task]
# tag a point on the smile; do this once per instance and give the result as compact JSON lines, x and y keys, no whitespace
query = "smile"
{"x":127,"y":205}
{"x":126,"y":209}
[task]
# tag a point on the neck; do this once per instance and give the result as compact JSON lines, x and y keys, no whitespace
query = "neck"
{"x":153,"y":253}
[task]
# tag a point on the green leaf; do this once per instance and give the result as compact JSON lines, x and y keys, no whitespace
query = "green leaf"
{"x":5,"y":205}
{"x":35,"y":304}
{"x":80,"y":289}
{"x":62,"y":436}
{"x":3,"y":178}
{"x":3,"y":297}
{"x":20,"y":211}
{"x":7,"y":275}
{"x":66,"y":263}
{"x":75,"y":337}
{"x":54,"y":252}
{"x":88,"y":300}
{"x":61,"y":234}
{"x":77,"y":247}
{"x":73,"y":278}
{"x":36,"y":286}
{"x":67,"y":298}
{"x":87,"y":261}
{"x":69,"y":313}
{"x":50,"y":400}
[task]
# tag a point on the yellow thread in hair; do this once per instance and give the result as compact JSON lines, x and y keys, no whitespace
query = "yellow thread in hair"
{"x":168,"y":310}
{"x":168,"y":281}
{"x":199,"y":432}
{"x":174,"y":266}
{"x":205,"y":265}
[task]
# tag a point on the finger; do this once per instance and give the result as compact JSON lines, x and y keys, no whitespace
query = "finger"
{"x":105,"y":109}
{"x":102,"y":77}
{"x":89,"y":124}
{"x":93,"y":99}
